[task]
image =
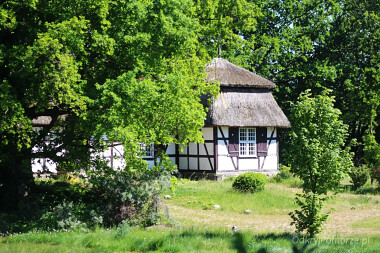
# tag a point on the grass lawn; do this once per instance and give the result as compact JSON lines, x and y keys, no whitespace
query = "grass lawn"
{"x":200,"y":227}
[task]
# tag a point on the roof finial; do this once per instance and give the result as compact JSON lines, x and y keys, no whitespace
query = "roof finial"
{"x":219,"y":51}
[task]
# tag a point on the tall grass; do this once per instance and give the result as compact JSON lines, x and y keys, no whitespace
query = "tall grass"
{"x":188,"y":240}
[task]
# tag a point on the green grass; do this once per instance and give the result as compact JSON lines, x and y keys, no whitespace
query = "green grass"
{"x":355,"y":225}
{"x":188,"y":240}
{"x":204,"y":194}
{"x":369,"y":222}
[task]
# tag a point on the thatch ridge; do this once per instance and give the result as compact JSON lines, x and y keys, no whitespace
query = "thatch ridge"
{"x":230,"y":75}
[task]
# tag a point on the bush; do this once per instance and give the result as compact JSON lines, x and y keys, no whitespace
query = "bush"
{"x":375,"y":174}
{"x":359,"y":176}
{"x":108,"y":197}
{"x":284,"y":174}
{"x":129,"y":196}
{"x":250,"y":182}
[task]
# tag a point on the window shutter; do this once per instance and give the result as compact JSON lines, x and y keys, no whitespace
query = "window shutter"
{"x":262,"y":146}
{"x":233,"y":141}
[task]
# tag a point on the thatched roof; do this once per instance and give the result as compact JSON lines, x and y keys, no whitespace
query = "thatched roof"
{"x":42,"y":121}
{"x":230,"y":75}
{"x":246,"y":107}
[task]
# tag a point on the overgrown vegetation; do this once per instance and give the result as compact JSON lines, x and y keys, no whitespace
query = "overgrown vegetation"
{"x":108,"y":200}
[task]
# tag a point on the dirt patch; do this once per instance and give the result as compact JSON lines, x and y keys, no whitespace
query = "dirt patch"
{"x":214,"y":218}
{"x":340,"y":222}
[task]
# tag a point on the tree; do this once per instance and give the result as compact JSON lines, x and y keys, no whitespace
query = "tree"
{"x":317,"y":156}
{"x":320,"y":45}
{"x":128,"y":70}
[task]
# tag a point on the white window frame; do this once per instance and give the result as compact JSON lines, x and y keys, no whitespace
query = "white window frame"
{"x":147,"y":150}
{"x":247,"y":142}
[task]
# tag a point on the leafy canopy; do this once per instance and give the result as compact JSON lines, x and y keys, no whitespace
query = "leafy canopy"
{"x":318,"y":138}
{"x":318,"y":157}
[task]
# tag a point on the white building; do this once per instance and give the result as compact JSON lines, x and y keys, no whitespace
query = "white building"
{"x":240,"y":132}
{"x":241,"y":129}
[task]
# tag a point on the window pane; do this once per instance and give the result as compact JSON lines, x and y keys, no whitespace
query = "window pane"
{"x":147,"y":150}
{"x":251,"y":134}
{"x":252,"y":149}
{"x":150,"y":150}
{"x":243,"y":149}
{"x":243,"y":134}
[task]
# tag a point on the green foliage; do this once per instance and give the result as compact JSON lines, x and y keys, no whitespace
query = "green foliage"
{"x":318,"y":138}
{"x":63,"y":217}
{"x":128,"y":70}
{"x":173,"y":184}
{"x":128,"y":196}
{"x":283,"y":174}
{"x":310,"y":217}
{"x":286,"y":177}
{"x":372,"y":155}
{"x":312,"y":45}
{"x":317,"y":156}
{"x":229,"y":179}
{"x":376,"y":175}
{"x":250,"y":182}
{"x":359,"y":176}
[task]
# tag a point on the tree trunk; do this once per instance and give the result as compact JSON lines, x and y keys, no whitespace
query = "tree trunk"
{"x":16,"y":177}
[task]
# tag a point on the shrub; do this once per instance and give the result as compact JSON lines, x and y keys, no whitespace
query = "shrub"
{"x":359,"y":176}
{"x":375,"y":174}
{"x":129,"y":196}
{"x":229,"y":179}
{"x":250,"y":182}
{"x":310,"y":217}
{"x":284,"y":173}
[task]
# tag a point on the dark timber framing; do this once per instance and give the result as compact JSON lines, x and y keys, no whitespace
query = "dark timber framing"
{"x":187,"y":155}
{"x":209,"y":155}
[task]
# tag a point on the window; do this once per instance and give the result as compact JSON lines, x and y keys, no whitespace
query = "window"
{"x":147,"y":150}
{"x":247,"y":141}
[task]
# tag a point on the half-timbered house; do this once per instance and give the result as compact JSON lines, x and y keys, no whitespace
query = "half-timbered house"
{"x":241,"y":129}
{"x":240,"y":132}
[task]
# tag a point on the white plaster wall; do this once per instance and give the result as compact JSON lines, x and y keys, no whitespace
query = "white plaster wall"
{"x":38,"y":165}
{"x":210,"y":148}
{"x":270,"y":130}
{"x":170,"y":150}
{"x":225,"y":132}
{"x":193,"y":149}
{"x":193,"y":163}
{"x":182,"y":163}
{"x":225,"y":163}
{"x":248,"y":164}
{"x":271,"y":163}
{"x":222,"y":148}
{"x":204,"y":163}
{"x":208,"y":133}
{"x":272,"y":148}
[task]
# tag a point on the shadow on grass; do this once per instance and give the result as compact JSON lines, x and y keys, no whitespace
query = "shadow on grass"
{"x":244,"y":243}
{"x":239,"y":243}
{"x":296,"y":248}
